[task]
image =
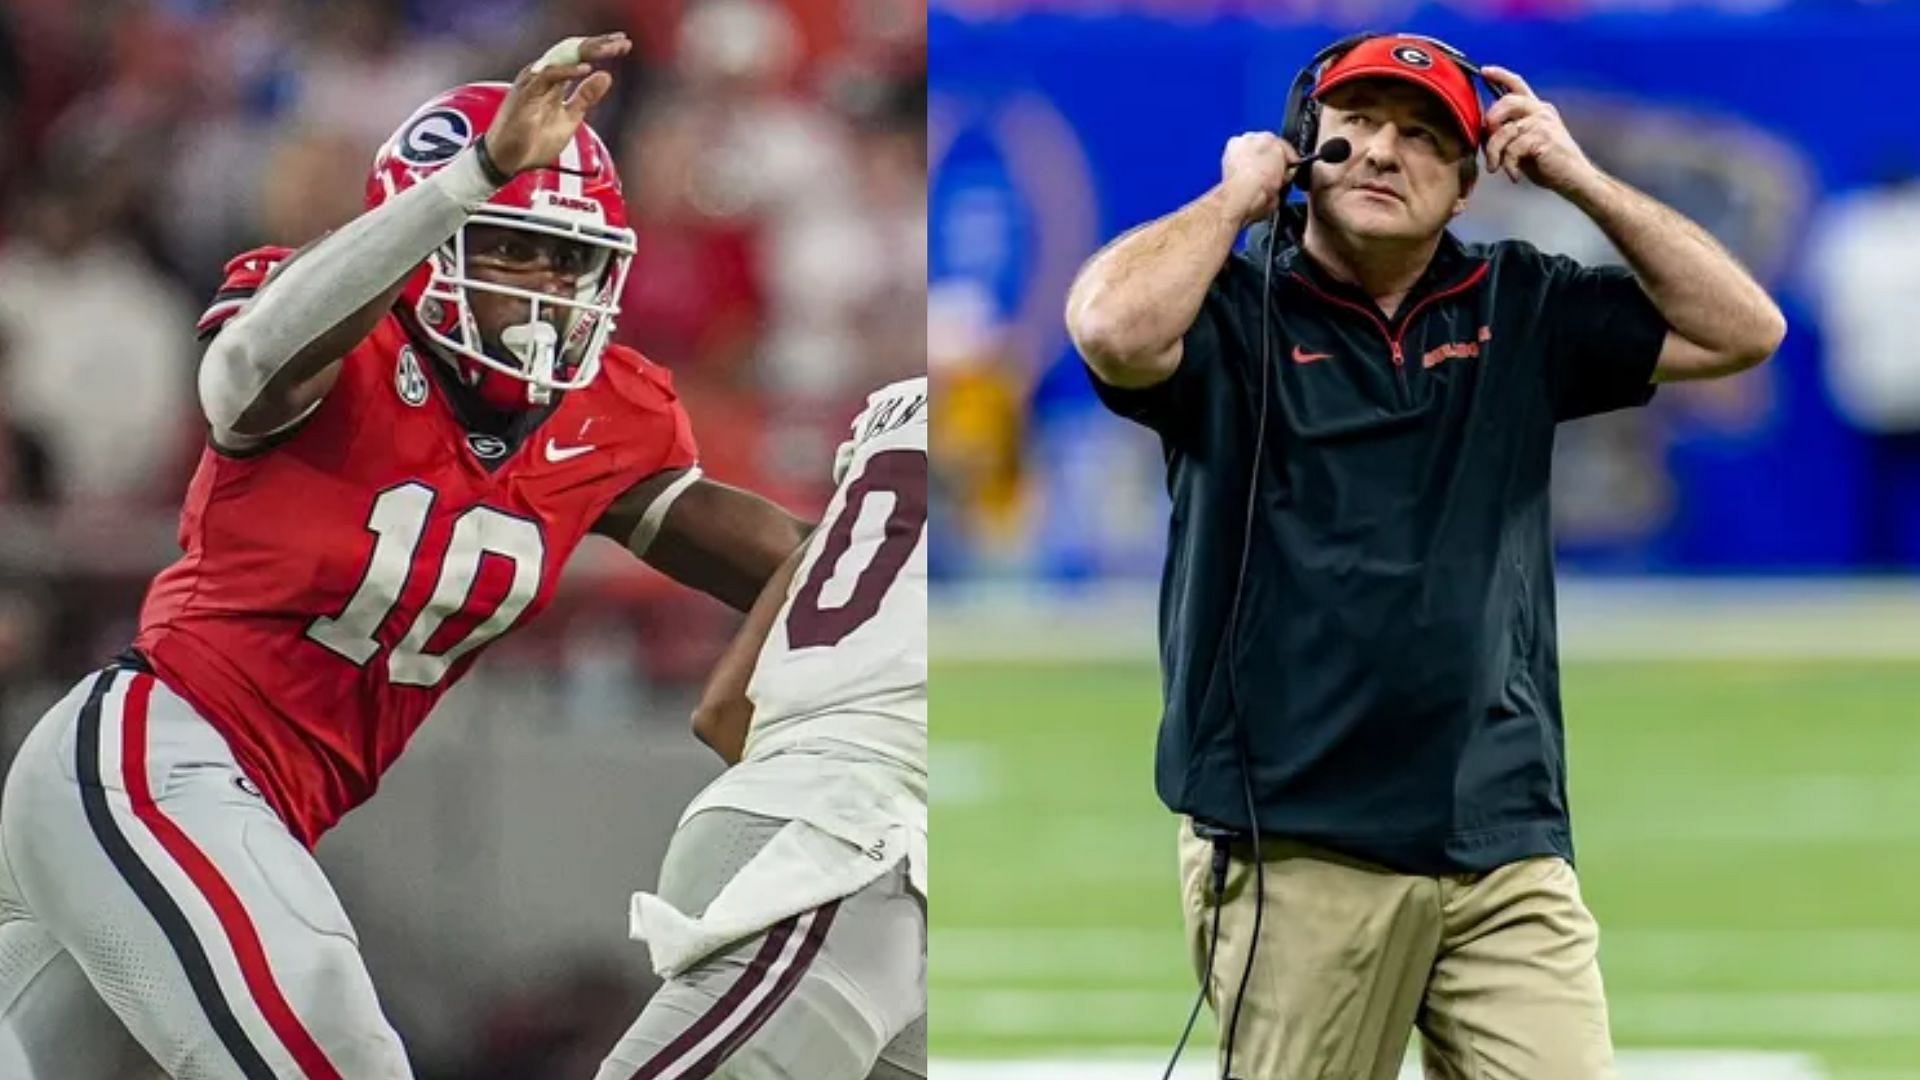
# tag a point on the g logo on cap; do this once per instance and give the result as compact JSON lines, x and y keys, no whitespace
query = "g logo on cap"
{"x":1413,"y":56}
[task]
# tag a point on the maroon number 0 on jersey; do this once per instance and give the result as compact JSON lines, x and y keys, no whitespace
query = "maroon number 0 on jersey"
{"x":902,"y":474}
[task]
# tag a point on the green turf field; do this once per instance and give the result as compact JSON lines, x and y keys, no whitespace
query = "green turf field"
{"x":1749,"y":837}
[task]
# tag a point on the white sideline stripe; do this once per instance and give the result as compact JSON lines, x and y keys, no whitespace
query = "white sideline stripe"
{"x":1001,"y":957}
{"x":1090,"y":1015}
{"x":1627,"y":619}
{"x":1746,"y":1014}
{"x":1720,"y":820}
{"x":1080,"y":1015}
{"x":1633,"y":1065}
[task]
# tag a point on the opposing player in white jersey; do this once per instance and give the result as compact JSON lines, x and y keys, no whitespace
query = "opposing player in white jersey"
{"x":791,"y":919}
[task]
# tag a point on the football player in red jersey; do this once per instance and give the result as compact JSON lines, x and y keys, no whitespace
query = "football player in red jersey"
{"x":413,"y":421}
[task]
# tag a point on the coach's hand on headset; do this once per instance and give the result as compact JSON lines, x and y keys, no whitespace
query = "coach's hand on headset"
{"x":1254,"y":171}
{"x":1526,"y":137}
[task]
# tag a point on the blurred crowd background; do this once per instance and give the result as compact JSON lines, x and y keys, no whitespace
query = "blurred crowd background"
{"x":774,"y":157}
{"x":1057,"y":125}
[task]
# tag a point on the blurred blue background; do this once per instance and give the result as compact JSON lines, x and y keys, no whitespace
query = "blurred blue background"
{"x":1787,"y":130}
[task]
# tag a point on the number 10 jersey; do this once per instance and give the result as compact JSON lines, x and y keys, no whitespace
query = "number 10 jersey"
{"x":846,"y":659}
{"x":335,"y":586}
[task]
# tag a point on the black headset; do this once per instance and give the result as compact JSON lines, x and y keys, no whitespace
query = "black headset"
{"x":1299,"y":126}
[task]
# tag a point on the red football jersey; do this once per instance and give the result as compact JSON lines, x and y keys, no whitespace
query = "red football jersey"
{"x":333,"y":587}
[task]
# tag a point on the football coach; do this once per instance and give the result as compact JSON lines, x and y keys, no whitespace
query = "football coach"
{"x":1362,"y":724}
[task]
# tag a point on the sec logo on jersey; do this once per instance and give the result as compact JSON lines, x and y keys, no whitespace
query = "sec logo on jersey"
{"x":408,"y":379}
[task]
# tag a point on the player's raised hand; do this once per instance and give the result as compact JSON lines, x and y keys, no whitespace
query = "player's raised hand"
{"x":1253,"y":170}
{"x":1526,"y":137}
{"x":550,"y":99}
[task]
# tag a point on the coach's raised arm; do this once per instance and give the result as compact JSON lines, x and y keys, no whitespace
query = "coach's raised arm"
{"x":1720,"y":320}
{"x":1134,"y":299}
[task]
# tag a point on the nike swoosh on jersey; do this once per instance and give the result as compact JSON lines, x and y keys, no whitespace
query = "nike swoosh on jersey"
{"x":1301,"y":356}
{"x":557,"y":453}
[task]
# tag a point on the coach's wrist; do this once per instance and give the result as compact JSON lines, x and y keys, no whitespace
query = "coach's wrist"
{"x":1236,"y":206}
{"x":1588,"y":189}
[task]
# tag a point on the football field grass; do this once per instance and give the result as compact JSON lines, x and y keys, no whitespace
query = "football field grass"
{"x":1748,"y":834}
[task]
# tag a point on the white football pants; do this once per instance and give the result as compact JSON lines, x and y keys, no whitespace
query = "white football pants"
{"x":140,"y":868}
{"x":835,"y":993}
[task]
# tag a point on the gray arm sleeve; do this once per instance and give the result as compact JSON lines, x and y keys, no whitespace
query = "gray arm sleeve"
{"x":329,"y":282}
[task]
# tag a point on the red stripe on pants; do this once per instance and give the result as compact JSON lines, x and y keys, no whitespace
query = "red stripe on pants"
{"x":226,"y":905}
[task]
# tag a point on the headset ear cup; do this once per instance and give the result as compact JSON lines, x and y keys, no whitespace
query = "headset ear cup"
{"x":1296,"y":103}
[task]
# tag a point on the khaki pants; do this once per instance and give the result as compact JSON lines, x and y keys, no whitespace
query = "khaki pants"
{"x":1499,"y":971}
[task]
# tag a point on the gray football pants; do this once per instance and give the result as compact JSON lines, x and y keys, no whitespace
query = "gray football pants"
{"x":147,"y":893}
{"x":836,"y":993}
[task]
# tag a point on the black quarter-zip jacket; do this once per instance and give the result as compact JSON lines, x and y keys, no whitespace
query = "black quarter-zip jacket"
{"x":1395,"y":667}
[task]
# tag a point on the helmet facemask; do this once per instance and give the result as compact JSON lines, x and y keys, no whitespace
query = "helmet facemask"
{"x":539,"y":356}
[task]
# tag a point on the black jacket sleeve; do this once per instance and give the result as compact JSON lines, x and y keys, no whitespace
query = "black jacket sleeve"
{"x":1177,"y":406}
{"x":1604,"y":338}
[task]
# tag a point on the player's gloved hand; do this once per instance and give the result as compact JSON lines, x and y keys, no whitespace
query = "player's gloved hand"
{"x":540,"y":115}
{"x":1253,"y":170}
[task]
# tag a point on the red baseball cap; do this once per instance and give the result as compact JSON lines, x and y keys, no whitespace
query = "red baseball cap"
{"x":1414,"y":60}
